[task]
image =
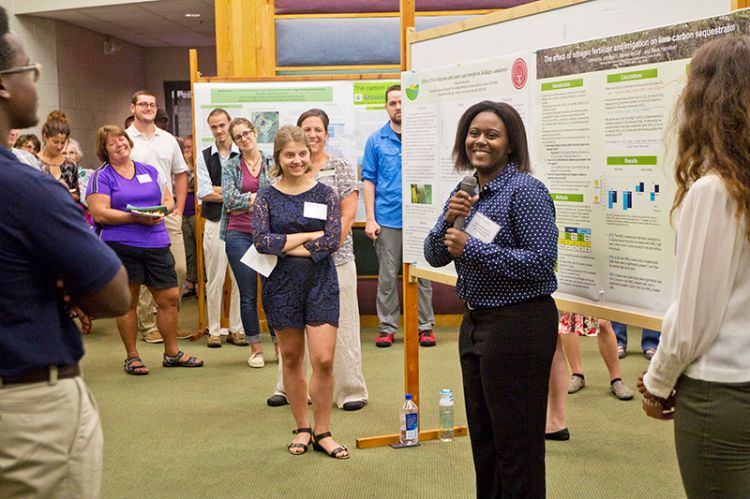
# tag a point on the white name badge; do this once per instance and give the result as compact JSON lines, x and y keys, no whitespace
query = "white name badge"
{"x":315,"y":210}
{"x":482,"y":228}
{"x":259,"y":262}
{"x":144,"y":178}
{"x":326,"y":173}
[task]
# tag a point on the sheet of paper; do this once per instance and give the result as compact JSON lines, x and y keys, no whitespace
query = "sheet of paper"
{"x":259,"y":262}
{"x":482,"y":228}
{"x":318,"y":211}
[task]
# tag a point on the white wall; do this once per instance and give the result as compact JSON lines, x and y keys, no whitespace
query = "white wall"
{"x":38,"y":37}
{"x":173,"y":64}
{"x":94,"y":88}
{"x":585,"y":21}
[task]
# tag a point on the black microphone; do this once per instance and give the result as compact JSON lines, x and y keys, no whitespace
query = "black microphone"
{"x":468,"y":184}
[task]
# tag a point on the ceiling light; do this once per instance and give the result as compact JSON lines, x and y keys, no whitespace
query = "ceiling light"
{"x":192,"y":14}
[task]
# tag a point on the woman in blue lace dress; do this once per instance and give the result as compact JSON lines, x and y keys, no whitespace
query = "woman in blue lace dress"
{"x":298,"y":220}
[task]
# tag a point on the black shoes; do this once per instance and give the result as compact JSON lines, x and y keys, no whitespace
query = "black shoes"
{"x":354,"y":405}
{"x":277,"y":401}
{"x":560,"y":435}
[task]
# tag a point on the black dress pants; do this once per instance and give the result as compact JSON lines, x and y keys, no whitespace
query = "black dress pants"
{"x":506,"y":354}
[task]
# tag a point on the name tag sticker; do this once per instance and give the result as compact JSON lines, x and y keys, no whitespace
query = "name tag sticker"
{"x":315,"y":210}
{"x":144,"y":178}
{"x":326,"y":173}
{"x":482,"y":228}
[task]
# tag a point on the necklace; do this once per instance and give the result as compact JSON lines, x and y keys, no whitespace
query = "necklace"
{"x":252,"y":166}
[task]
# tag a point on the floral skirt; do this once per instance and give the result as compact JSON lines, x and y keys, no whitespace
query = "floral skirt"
{"x":582,"y":325}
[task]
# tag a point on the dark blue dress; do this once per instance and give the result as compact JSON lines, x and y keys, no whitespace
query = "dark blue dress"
{"x":300,"y":291}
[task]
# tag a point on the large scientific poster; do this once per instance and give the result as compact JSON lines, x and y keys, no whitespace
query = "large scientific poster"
{"x":599,"y":117}
{"x":355,"y":109}
{"x":433,"y":101}
{"x":606,"y":152}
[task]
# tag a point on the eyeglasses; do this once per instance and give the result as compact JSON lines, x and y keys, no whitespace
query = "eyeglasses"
{"x":35,"y":69}
{"x":244,"y":135}
{"x":147,"y":104}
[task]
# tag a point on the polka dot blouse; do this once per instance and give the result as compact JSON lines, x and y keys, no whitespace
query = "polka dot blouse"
{"x":519,"y":263}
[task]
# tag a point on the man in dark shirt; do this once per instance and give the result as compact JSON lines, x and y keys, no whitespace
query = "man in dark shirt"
{"x":50,"y":434}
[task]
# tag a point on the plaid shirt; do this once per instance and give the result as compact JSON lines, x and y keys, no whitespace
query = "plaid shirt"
{"x":231,"y":189}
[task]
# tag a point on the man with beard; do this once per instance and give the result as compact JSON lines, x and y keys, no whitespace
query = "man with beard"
{"x":381,"y":172}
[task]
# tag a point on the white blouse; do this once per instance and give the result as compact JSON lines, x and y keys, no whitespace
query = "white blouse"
{"x":706,"y":329}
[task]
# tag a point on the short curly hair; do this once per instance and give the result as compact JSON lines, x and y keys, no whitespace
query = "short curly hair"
{"x":6,"y":52}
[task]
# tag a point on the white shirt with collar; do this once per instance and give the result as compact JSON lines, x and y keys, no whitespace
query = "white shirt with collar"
{"x":205,"y":186}
{"x":706,"y":329}
{"x":160,"y":151}
{"x":27,"y":158}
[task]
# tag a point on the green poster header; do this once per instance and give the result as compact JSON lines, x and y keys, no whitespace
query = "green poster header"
{"x":271,"y":94}
{"x":371,"y":93}
{"x":631,"y":160}
{"x":633,"y":75}
{"x":571,"y":198}
{"x":561,"y":85}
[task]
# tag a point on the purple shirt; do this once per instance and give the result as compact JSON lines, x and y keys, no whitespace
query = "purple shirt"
{"x":189,"y":210}
{"x":144,"y":189}
{"x":243,"y":222}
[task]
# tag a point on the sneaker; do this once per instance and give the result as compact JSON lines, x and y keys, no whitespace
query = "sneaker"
{"x":256,"y":360}
{"x":182,"y":334}
{"x":238,"y":339}
{"x":153,"y":336}
{"x":427,"y":338}
{"x":214,"y":341}
{"x":576,"y":383}
{"x":277,"y":400}
{"x":384,"y":340}
{"x":621,"y":352}
{"x":650,"y":353}
{"x":621,"y":390}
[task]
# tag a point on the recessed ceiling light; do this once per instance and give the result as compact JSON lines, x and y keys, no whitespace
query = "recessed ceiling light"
{"x":192,"y":14}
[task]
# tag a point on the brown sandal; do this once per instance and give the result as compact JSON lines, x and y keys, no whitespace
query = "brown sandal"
{"x":299,"y":445}
{"x":335,"y":452}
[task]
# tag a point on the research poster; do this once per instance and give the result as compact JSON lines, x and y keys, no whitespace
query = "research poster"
{"x":433,"y":101}
{"x":599,"y":116}
{"x":355,"y":109}
{"x":606,"y":148}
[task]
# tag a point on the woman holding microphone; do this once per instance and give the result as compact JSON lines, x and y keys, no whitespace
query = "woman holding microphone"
{"x":505,"y":258}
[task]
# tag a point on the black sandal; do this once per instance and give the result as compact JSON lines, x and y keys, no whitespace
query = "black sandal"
{"x":129,"y":368}
{"x":299,"y":445}
{"x":335,"y":452}
{"x":176,"y":361}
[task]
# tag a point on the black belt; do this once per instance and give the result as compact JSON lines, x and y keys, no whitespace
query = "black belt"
{"x":43,"y":374}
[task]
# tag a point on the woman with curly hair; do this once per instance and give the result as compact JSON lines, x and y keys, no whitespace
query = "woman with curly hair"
{"x":700,"y":374}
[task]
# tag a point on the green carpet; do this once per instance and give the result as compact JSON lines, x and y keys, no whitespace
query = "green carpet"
{"x":208,"y":432}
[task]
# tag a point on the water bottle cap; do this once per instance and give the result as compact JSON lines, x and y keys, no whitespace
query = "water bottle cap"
{"x":408,"y":396}
{"x":446,"y":391}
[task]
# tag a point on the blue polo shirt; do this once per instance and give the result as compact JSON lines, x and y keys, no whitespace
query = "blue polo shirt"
{"x":381,"y":165}
{"x":43,"y":238}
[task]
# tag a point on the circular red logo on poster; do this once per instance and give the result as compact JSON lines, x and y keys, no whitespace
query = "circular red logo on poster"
{"x":519,"y":73}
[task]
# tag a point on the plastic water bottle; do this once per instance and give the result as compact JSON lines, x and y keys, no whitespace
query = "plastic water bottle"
{"x":446,"y":415}
{"x":409,"y":422}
